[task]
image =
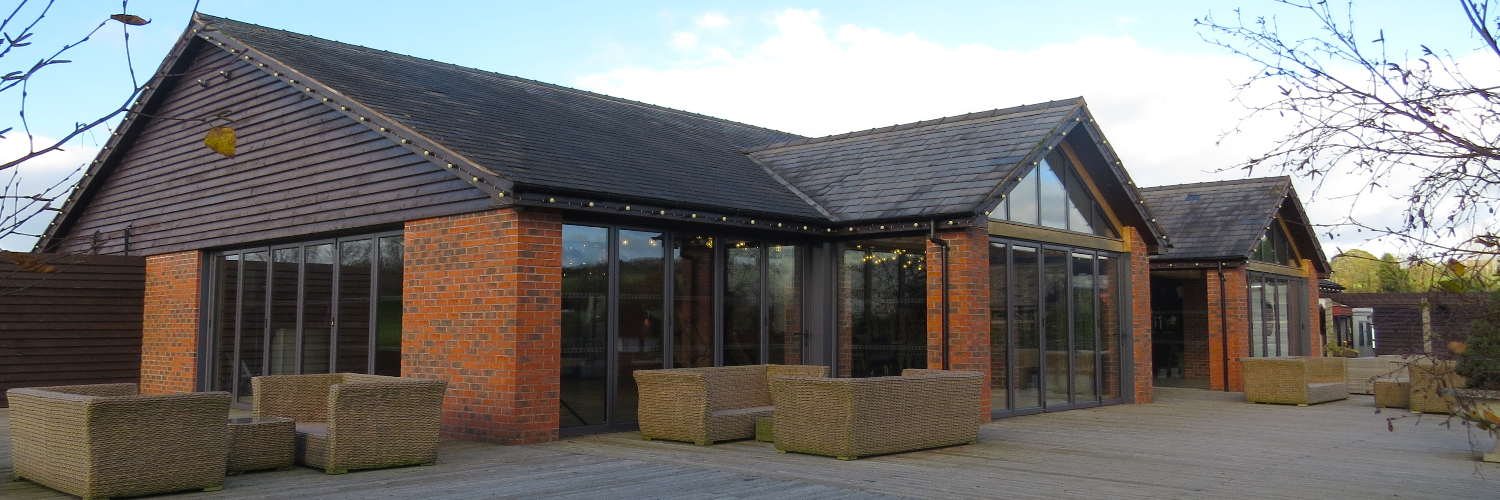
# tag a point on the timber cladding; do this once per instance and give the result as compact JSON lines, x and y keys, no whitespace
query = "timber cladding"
{"x":80,"y":324}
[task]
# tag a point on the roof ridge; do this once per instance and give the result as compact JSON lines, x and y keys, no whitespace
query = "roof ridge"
{"x":977,"y":115}
{"x":1247,"y":180}
{"x":584,"y":93}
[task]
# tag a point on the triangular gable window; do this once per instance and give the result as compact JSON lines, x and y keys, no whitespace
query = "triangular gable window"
{"x":1052,"y":195}
{"x":1274,"y":246}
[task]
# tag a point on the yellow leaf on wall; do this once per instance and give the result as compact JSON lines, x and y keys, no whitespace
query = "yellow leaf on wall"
{"x":221,"y":140}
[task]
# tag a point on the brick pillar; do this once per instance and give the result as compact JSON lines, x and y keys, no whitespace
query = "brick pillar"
{"x":483,"y":310}
{"x":169,"y":329}
{"x":1197,"y":338}
{"x":1140,"y":315}
{"x":968,"y":304}
{"x":1237,"y":307}
{"x":1214,"y":324}
{"x":1314,"y":327}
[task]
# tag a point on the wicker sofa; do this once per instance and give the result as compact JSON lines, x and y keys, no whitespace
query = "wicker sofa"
{"x":1427,"y":378}
{"x":1362,"y":372}
{"x":1297,"y":380}
{"x":351,"y":421}
{"x":107,"y":440}
{"x":849,"y":418}
{"x":705,"y":405}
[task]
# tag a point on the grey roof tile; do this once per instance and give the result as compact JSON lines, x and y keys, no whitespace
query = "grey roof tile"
{"x":1224,"y":220}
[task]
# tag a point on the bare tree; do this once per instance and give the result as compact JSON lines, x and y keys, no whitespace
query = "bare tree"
{"x":1380,"y":117}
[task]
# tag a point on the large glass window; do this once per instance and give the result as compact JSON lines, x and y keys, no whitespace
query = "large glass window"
{"x":274,"y":310}
{"x":585,"y":322}
{"x":883,"y":306}
{"x":1274,"y":247}
{"x":637,"y":299}
{"x":1054,"y":327}
{"x":1053,"y":195}
{"x":1278,"y":326}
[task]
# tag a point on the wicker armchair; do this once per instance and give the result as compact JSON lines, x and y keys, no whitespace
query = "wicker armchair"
{"x":1362,"y":372}
{"x":1295,"y":380}
{"x":850,"y":418}
{"x":351,"y":421}
{"x":102,"y":441}
{"x":704,"y":405}
{"x":1427,"y":379}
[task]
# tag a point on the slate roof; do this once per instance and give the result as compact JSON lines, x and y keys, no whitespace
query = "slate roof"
{"x":943,"y":166}
{"x":545,"y":137}
{"x":1224,"y":219}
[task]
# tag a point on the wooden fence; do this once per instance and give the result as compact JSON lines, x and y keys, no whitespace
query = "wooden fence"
{"x":78,"y":324}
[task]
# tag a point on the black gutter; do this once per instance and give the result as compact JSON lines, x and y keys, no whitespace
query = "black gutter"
{"x":932,"y":236}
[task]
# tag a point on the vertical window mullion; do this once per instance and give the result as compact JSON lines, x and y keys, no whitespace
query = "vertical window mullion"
{"x":301,"y":303}
{"x":239,"y":323}
{"x":374,"y":300}
{"x":669,"y":299}
{"x":334,"y":302}
{"x":765,"y":303}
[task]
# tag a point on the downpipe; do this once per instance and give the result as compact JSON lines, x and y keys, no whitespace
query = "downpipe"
{"x":932,"y":236}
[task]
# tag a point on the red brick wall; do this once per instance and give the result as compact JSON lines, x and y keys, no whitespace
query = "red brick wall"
{"x":1198,"y":345}
{"x":169,"y":330}
{"x":483,"y":311}
{"x":1315,"y":324}
{"x":1236,"y":300}
{"x":968,"y":304}
{"x":1140,"y":314}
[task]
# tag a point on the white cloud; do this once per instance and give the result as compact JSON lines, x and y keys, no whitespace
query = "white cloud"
{"x":49,"y":175}
{"x":684,"y":40}
{"x":712,"y":21}
{"x":1164,"y":113}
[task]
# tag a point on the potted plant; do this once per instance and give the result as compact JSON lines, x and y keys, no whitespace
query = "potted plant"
{"x":1479,"y":365}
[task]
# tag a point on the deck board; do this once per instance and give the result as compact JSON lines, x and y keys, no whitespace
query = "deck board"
{"x":1190,"y":444}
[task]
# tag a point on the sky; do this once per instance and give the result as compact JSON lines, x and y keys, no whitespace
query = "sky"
{"x":1162,"y":95}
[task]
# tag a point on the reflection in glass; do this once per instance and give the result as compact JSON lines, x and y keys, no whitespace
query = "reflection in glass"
{"x":1053,"y":196}
{"x":585,"y":319}
{"x":742,"y":303}
{"x":388,"y":308}
{"x":641,"y":290}
{"x":784,"y":306}
{"x":1056,"y":324}
{"x":693,"y":306}
{"x":317,"y":307}
{"x":252,"y":322}
{"x":1283,"y":319}
{"x":354,"y":307}
{"x":283,"y":347}
{"x":1022,"y":200}
{"x":1084,"y":354}
{"x":1025,"y":298}
{"x":883,"y":299}
{"x":1109,"y":325}
{"x":999,"y":329}
{"x":1260,"y":339}
{"x":229,"y":286}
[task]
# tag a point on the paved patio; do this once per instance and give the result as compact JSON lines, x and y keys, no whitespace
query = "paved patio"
{"x":1191,"y":444}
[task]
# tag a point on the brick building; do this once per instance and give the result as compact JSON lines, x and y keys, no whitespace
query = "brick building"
{"x":534,"y":245}
{"x":1243,"y":272}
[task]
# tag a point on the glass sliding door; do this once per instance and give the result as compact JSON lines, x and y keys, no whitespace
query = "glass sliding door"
{"x":883,"y":306}
{"x":999,"y":327}
{"x":636,"y":299}
{"x":317,"y":308}
{"x":742,"y":294}
{"x":252,"y":340}
{"x":1279,"y":325}
{"x":354,"y":307}
{"x":1026,"y":323}
{"x":783,"y":305}
{"x":693,"y":266}
{"x":641,"y":285}
{"x":585,"y":321}
{"x":1055,"y":323}
{"x":276,"y":310}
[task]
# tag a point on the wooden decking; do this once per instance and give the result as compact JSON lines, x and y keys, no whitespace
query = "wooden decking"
{"x":1191,"y":444}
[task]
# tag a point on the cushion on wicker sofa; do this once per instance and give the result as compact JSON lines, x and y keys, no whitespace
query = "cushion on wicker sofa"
{"x":106,"y":440}
{"x":849,"y":418}
{"x":704,"y":405}
{"x":367,"y":421}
